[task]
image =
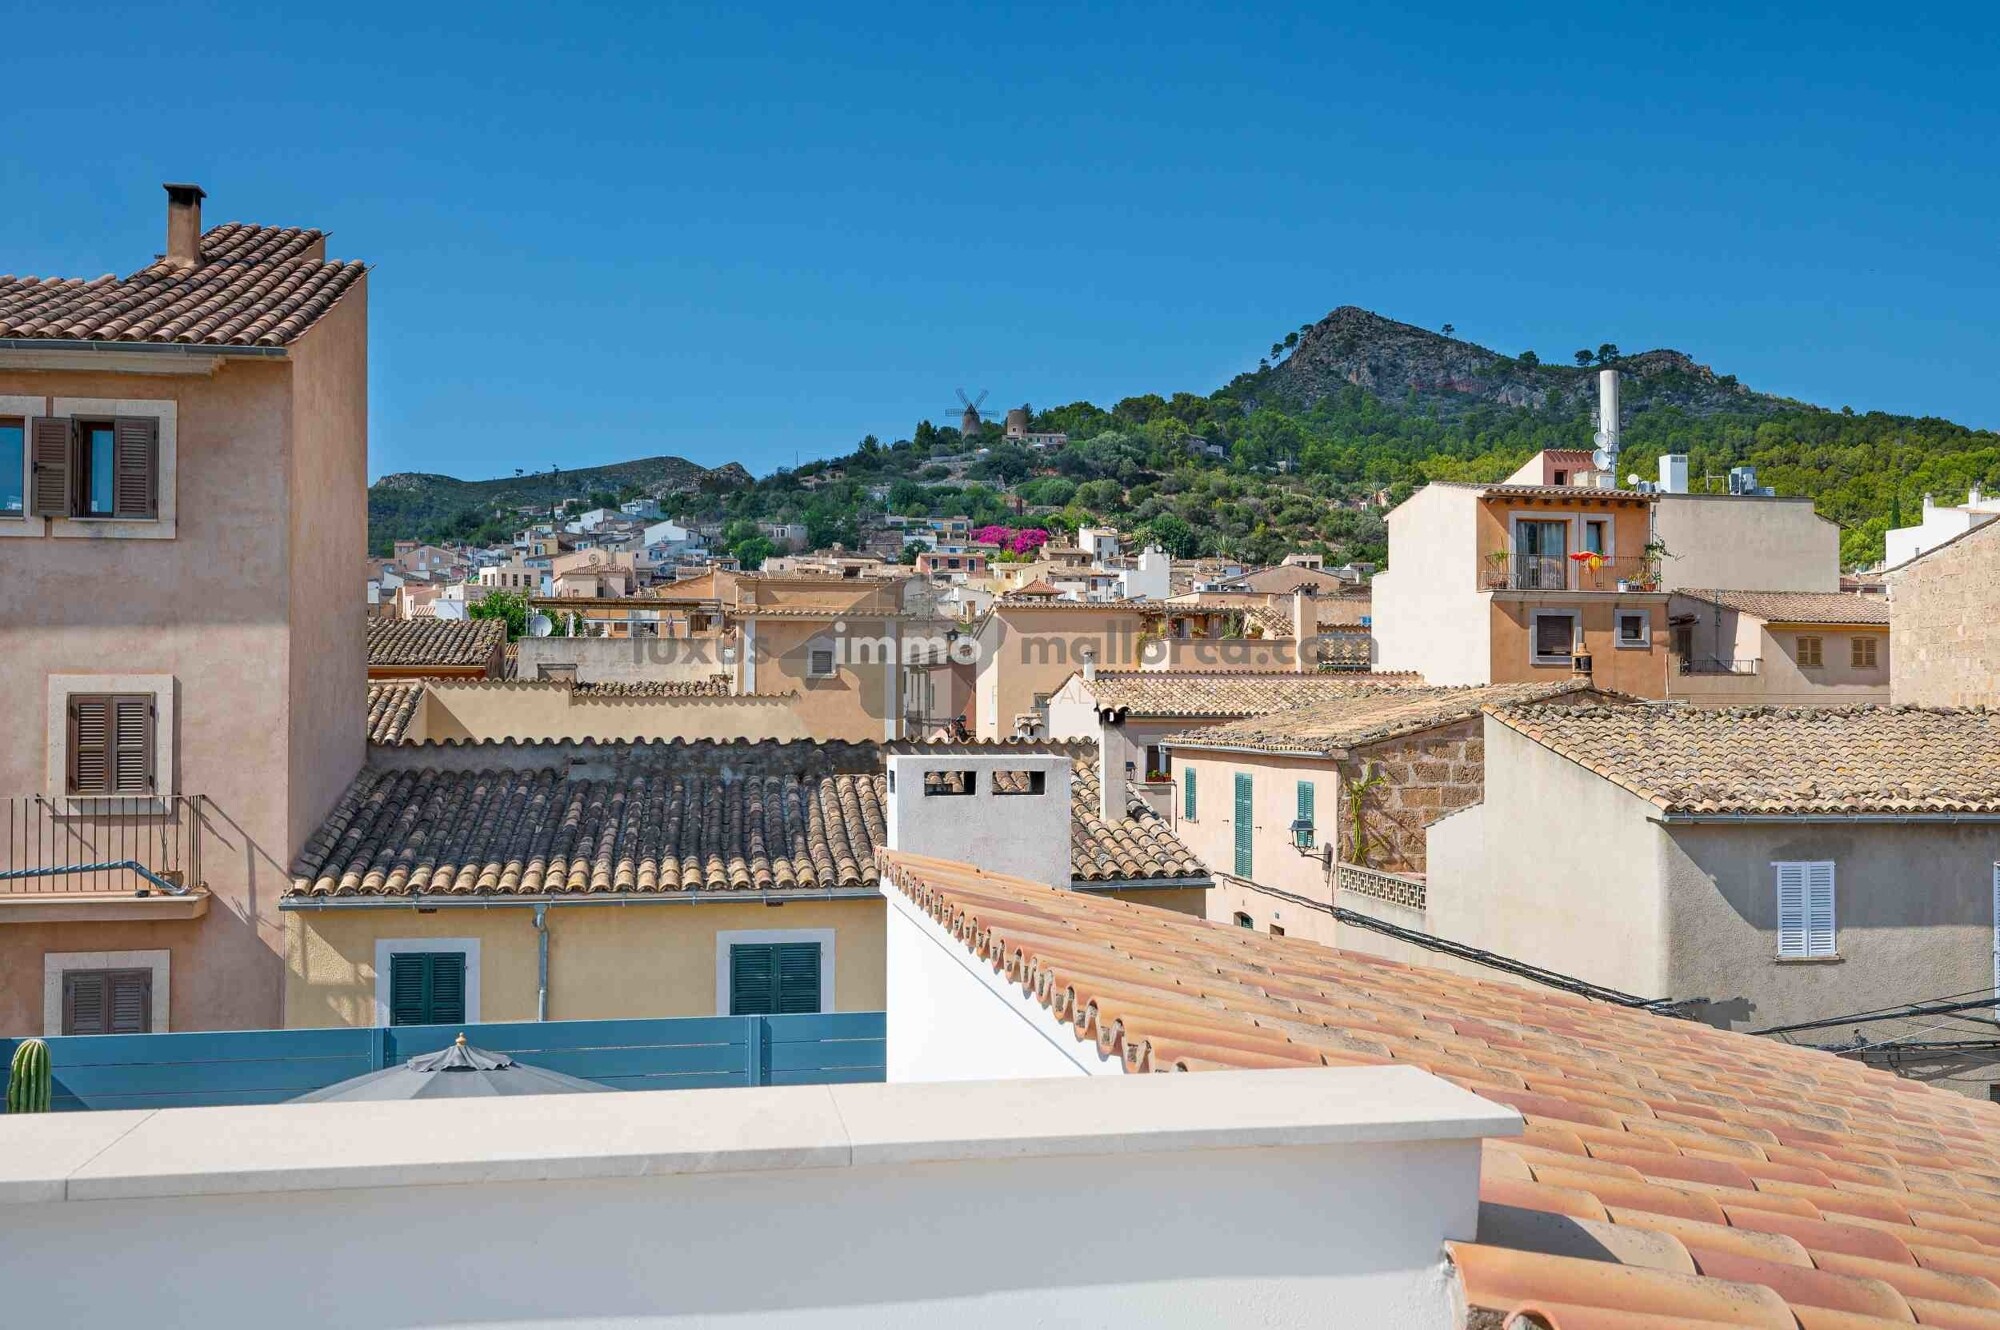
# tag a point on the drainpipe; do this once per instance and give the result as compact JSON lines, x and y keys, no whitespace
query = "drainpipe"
{"x":542,"y":962}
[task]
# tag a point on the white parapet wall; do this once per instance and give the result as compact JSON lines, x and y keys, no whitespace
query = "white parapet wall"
{"x":1008,"y":813}
{"x":1274,"y":1198}
{"x":952,"y":1018}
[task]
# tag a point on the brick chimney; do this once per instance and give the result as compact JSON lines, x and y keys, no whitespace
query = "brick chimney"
{"x":184,"y":225}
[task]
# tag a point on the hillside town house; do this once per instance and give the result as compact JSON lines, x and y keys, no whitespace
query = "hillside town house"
{"x":1780,"y":648}
{"x":434,"y":648}
{"x":1761,"y":866}
{"x":1516,"y":581}
{"x":1291,"y":807}
{"x":189,"y":443}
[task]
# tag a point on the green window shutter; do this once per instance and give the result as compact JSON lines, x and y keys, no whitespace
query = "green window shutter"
{"x":1305,"y":819}
{"x":1244,"y":828}
{"x":798,"y":977}
{"x":1187,"y":795}
{"x":427,"y":988}
{"x":769,"y":978}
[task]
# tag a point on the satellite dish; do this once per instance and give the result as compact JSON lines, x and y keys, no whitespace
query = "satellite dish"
{"x":1632,"y":479}
{"x":540,"y":625}
{"x":1600,"y":459}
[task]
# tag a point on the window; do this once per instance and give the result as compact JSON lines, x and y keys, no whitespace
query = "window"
{"x":1277,"y":930}
{"x":1596,"y":535}
{"x":1809,"y":652}
{"x":1244,"y":826}
{"x":13,"y":468}
{"x":110,"y":744}
{"x":1554,"y":636}
{"x":1159,"y":766}
{"x":1635,"y":628}
{"x":1805,"y":909}
{"x":1187,"y":796}
{"x":1863,"y":649}
{"x":770,"y":978}
{"x":1302,"y":824}
{"x":96,"y":468}
{"x":819,"y":663}
{"x":107,"y":1001}
{"x":1562,"y":478}
{"x":1541,"y":555}
{"x":427,"y":988}
{"x":1244,"y":921}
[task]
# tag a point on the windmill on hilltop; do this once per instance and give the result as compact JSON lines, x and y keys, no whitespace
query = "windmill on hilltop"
{"x":968,"y":424}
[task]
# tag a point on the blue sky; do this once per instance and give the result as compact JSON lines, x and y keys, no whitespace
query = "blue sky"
{"x":758,"y":233}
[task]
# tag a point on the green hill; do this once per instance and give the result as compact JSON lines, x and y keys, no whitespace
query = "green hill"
{"x":1342,"y":410}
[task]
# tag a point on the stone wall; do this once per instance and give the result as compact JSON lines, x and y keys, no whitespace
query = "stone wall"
{"x":1944,"y":625}
{"x":1424,"y":777}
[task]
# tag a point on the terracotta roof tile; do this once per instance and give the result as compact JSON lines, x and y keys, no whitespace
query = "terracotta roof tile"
{"x":1342,"y":719}
{"x":661,"y":825}
{"x":391,"y":708}
{"x":714,"y":686}
{"x":1829,"y":607}
{"x":416,"y":642}
{"x":1697,"y":1113}
{"x":1781,"y":761}
{"x":255,"y":286}
{"x":1225,"y":694}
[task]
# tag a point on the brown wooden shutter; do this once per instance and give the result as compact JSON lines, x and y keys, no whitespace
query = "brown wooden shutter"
{"x":83,"y":1002}
{"x":135,"y":471}
{"x":129,"y":1005}
{"x":90,"y":742}
{"x":50,"y":451}
{"x":132,"y":744}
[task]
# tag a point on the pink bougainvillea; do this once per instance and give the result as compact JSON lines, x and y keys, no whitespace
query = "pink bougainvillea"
{"x":1014,"y":542}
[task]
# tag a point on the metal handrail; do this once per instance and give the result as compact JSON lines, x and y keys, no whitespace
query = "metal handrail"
{"x":51,"y":845}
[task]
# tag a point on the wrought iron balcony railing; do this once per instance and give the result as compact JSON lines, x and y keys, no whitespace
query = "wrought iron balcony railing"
{"x":139,"y":846}
{"x":1506,"y":571}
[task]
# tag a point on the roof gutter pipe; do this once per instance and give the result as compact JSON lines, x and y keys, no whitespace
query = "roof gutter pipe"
{"x":542,"y":961}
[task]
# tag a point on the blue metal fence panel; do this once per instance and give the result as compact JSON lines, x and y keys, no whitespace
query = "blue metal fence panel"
{"x":271,"y":1066}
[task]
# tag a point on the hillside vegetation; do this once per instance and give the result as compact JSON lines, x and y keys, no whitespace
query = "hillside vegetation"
{"x":1342,"y":411}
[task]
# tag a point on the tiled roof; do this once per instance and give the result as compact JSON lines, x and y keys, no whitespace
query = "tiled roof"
{"x":1776,"y":760}
{"x":716,"y":685}
{"x":1272,"y":623}
{"x":255,"y":286}
{"x":530,"y":832}
{"x":391,"y":708}
{"x":1799,"y":606}
{"x":1031,"y":590}
{"x":662,"y":824}
{"x":1670,"y":1174}
{"x":413,"y":642}
{"x":1546,"y":491}
{"x":1367,"y":715}
{"x":1142,"y":847}
{"x":1220,"y":694}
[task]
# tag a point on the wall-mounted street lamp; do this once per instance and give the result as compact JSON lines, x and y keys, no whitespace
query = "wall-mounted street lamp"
{"x":1302,"y":841}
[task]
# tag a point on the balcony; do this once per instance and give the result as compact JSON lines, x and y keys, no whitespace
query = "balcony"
{"x":1716,"y":665}
{"x":128,"y":858}
{"x":1506,"y":571}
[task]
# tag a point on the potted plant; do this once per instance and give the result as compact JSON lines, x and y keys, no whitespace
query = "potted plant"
{"x":1496,"y":571}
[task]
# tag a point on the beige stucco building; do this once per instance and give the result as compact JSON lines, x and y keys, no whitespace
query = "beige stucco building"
{"x":1520,"y":583}
{"x":1944,"y":623}
{"x":181,"y":623}
{"x":1778,"y":648}
{"x":1781,"y":866}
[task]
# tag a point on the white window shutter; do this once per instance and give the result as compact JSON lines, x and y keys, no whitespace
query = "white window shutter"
{"x":1819,"y":908}
{"x":1791,"y":909}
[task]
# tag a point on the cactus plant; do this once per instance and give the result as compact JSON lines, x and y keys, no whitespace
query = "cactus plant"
{"x":29,"y":1079}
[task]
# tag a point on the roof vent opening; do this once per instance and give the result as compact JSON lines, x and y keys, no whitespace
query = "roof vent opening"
{"x":184,"y":225}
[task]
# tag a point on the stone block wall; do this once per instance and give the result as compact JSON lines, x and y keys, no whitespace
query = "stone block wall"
{"x":1944,"y":625}
{"x":1425,"y":777}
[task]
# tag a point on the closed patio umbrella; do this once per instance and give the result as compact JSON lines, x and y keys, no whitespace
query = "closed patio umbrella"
{"x":459,"y":1071}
